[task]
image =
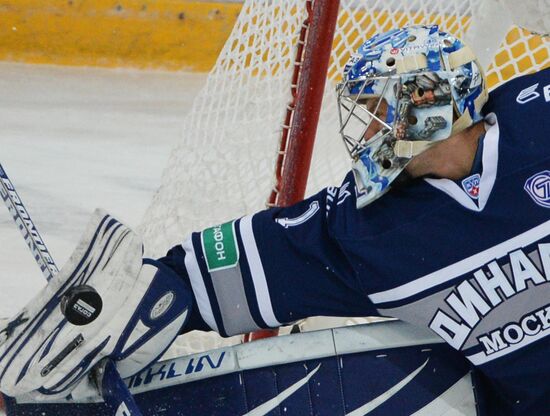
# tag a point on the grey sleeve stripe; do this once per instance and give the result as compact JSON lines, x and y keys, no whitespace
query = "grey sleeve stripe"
{"x":197,"y":284}
{"x":229,"y":289}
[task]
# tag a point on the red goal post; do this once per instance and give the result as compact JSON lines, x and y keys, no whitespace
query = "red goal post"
{"x":307,"y":88}
{"x":302,"y":117}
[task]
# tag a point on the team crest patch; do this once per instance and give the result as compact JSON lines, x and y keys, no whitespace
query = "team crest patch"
{"x":538,"y":188}
{"x":471,"y":185}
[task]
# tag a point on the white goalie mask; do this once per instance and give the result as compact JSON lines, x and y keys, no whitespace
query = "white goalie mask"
{"x":401,"y":92}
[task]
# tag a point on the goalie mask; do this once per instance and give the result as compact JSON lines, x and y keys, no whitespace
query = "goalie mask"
{"x":403,"y":91}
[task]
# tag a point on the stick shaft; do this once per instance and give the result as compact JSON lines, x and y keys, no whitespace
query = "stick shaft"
{"x":25,"y":224}
{"x":115,"y":392}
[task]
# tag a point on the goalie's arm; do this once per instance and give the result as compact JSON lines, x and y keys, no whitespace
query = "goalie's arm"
{"x":272,"y":268}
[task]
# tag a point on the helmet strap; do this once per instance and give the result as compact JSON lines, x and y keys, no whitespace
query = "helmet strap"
{"x":411,"y":63}
{"x":408,"y":148}
{"x":465,"y":120}
{"x":461,"y":57}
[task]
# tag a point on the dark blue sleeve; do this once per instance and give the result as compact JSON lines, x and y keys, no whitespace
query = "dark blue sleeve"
{"x":299,"y":253}
{"x":271,"y":268}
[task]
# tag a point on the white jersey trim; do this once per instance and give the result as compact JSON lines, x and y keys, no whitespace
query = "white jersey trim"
{"x":482,"y":357}
{"x":488,"y":176}
{"x":461,"y":267}
{"x":257,"y":272}
{"x":197,"y":284}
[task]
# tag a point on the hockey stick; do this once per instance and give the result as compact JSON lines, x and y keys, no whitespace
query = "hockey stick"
{"x":25,"y":224}
{"x":114,"y":391}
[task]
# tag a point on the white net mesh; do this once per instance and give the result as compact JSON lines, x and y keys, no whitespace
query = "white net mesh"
{"x":223,"y":167}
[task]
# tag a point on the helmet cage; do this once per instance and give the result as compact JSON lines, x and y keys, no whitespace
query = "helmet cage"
{"x":353,"y":107}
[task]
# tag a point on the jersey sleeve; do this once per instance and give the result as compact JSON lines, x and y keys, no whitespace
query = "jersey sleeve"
{"x":271,"y":268}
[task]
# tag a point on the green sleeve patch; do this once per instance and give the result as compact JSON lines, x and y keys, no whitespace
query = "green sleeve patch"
{"x":219,"y":245}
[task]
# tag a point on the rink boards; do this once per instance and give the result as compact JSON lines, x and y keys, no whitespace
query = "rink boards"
{"x":386,"y":368}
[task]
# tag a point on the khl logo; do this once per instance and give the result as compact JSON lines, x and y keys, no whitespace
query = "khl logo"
{"x":538,"y":188}
{"x":471,"y":185}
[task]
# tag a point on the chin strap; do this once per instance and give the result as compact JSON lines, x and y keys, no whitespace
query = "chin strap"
{"x":465,"y":120}
{"x":461,"y":57}
{"x":458,"y":58}
{"x":408,"y":148}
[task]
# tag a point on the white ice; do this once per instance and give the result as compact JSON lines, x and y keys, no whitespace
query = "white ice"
{"x":73,"y":139}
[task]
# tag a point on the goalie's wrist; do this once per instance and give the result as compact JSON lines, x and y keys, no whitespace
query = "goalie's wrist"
{"x":174,"y":259}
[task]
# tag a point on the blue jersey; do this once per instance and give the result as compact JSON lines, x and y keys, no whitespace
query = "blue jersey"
{"x":469,"y":259}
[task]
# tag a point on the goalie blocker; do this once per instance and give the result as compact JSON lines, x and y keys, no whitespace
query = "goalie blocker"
{"x":120,"y":306}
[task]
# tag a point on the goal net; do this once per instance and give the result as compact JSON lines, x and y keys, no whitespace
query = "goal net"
{"x":224,"y":165}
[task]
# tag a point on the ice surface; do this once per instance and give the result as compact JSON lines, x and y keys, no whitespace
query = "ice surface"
{"x":73,"y":139}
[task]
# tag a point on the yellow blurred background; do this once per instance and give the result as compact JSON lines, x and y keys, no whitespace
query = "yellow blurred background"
{"x":147,"y":34}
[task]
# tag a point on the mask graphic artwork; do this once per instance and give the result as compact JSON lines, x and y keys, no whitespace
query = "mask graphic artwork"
{"x":401,"y":92}
{"x":421,"y":91}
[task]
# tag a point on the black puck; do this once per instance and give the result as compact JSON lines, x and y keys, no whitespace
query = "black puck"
{"x":81,"y":305}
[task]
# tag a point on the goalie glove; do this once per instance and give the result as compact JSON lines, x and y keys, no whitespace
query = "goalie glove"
{"x":144,"y":307}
